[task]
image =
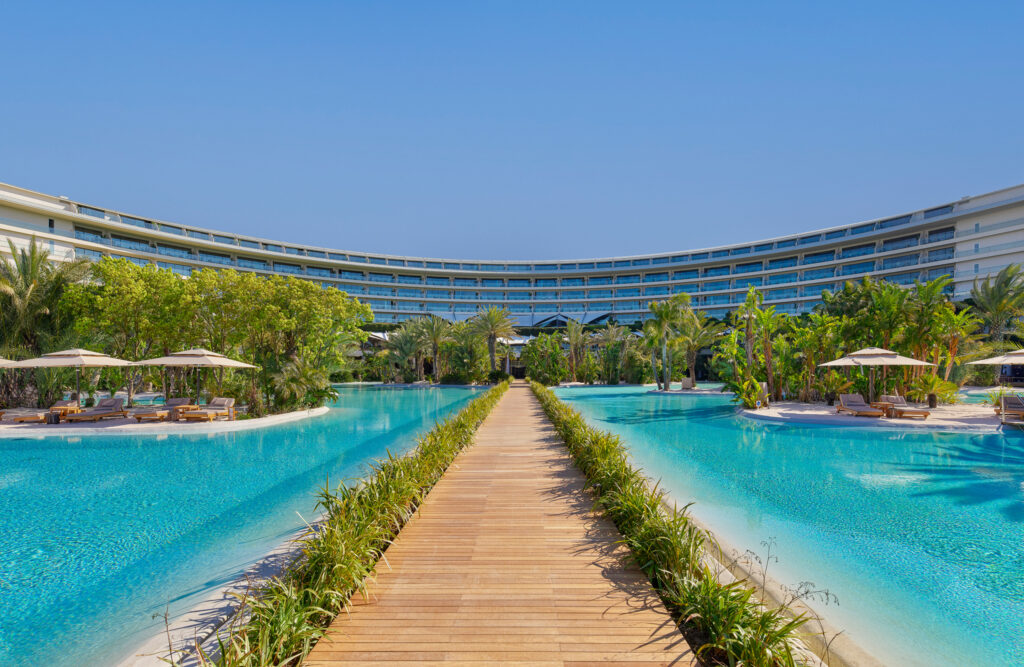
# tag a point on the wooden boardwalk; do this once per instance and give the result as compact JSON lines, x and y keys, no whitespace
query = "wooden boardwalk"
{"x":505,"y":562}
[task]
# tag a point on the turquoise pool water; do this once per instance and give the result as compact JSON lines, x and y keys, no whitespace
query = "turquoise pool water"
{"x":919,"y":535}
{"x":98,"y":534}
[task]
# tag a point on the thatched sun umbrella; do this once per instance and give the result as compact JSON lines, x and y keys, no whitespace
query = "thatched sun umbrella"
{"x":871,"y":357}
{"x":77,"y":359}
{"x":198,"y":358}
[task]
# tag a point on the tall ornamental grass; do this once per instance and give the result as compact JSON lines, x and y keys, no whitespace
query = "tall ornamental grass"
{"x":723,"y":622}
{"x":281,"y":622}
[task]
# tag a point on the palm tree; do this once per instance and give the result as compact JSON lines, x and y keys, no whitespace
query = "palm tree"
{"x":434,"y":331}
{"x":609,"y":340}
{"x":404,"y":348}
{"x":745,"y":315}
{"x":494,"y":323}
{"x":696,"y":332}
{"x":956,"y":328}
{"x":652,"y":341}
{"x":999,"y":300}
{"x":666,"y":317}
{"x":768,"y":324}
{"x":32,"y":285}
{"x":576,"y":337}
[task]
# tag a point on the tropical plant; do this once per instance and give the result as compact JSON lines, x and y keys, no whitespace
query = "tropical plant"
{"x":998,"y":300}
{"x":492,"y":324}
{"x":435,"y":331}
{"x":696,"y":332}
{"x":577,"y":339}
{"x":930,"y":387}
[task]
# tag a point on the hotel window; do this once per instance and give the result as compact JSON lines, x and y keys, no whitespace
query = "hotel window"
{"x":717,"y":271}
{"x":381,"y":277}
{"x":434,"y":280}
{"x":352,"y":275}
{"x":717,"y":299}
{"x":740,"y":251}
{"x":902,"y":260}
{"x":141,"y":223}
{"x":627,"y":305}
{"x":655,"y":277}
{"x":660,"y":260}
{"x":396,"y":262}
{"x":600,"y":305}
{"x":177,"y":268}
{"x":571,"y":282}
{"x":681,"y":258}
{"x":860,"y":267}
{"x":219,"y":259}
{"x":353,"y":289}
{"x":226,"y":240}
{"x":547,"y":296}
{"x":938,"y":273}
{"x":85,"y":235}
{"x":902,"y":278}
{"x":621,"y":262}
{"x":463,"y":294}
{"x":93,"y":212}
{"x":572,"y":294}
{"x":654,"y":291}
{"x":835,"y":234}
{"x":719,"y":253}
{"x":184,"y":253}
{"x":697,"y":256}
{"x":465,"y":282}
{"x":316,"y":253}
{"x":489,"y":267}
{"x":259,"y":265}
{"x":546,"y":282}
{"x":199,"y":235}
{"x":940,"y":235}
{"x":434,"y":265}
{"x":544,"y":267}
{"x":814,"y":290}
{"x":685,"y":289}
{"x":573,"y":307}
{"x":586,"y":265}
{"x":470,"y":267}
{"x":631,"y":291}
{"x":782,"y":278}
{"x":599,"y":293}
{"x":857,"y":251}
{"x":783,"y":262}
{"x":818,"y":274}
{"x":715,"y":285}
{"x":381,"y":291}
{"x":641,"y":262}
{"x":518,"y":282}
{"x":683,"y":275}
{"x":410,"y":280}
{"x":408,"y":305}
{"x":764,"y":247}
{"x":519,"y":308}
{"x":357,"y":258}
{"x":894,"y":222}
{"x":935,"y":212}
{"x":317,"y":271}
{"x":748,"y":267}
{"x":863,"y":229}
{"x":378,"y":260}
{"x":438,"y":294}
{"x":88,"y":254}
{"x":902,"y":242}
{"x":819,"y":257}
{"x":790,"y":293}
{"x":377,"y":303}
{"x":245,"y":243}
{"x":604,"y":265}
{"x":492,"y":282}
{"x":940,"y":254}
{"x":600,"y":280}
{"x":131,"y":244}
{"x":519,"y":296}
{"x":747,"y":282}
{"x":806,"y":240}
{"x":626,"y":280}
{"x":788,"y":243}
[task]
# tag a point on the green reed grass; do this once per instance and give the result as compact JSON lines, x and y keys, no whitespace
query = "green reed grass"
{"x":723,"y":621}
{"x":279,"y":623}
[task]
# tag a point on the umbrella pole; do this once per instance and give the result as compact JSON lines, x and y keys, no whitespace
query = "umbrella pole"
{"x":871,"y":384}
{"x":199,"y":375}
{"x":78,"y":385}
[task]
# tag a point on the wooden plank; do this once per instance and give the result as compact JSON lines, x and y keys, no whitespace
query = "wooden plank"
{"x":506,"y":562}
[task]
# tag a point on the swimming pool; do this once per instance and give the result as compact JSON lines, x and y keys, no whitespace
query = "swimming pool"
{"x":919,"y":535}
{"x":98,"y":534}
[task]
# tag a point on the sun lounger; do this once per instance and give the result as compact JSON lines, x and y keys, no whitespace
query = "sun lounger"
{"x":1011,"y":406}
{"x":107,"y":408}
{"x":33,"y":418}
{"x":218,"y":407}
{"x":159,"y":413}
{"x":62,"y":408}
{"x":855,"y":405}
{"x":901,"y":409}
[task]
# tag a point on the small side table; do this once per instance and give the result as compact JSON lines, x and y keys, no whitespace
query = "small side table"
{"x":885,"y":406}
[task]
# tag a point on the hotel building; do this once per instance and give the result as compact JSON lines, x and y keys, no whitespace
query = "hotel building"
{"x":967,"y":239}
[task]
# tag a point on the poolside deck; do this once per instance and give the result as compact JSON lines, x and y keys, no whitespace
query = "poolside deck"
{"x":506,"y":562}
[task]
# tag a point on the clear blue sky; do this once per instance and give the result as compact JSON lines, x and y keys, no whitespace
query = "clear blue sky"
{"x":513,"y":129}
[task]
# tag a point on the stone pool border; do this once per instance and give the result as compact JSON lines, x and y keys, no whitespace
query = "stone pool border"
{"x":38,"y":431}
{"x":833,"y":420}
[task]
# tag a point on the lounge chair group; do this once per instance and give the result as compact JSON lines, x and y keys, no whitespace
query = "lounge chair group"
{"x":855,"y":405}
{"x":1011,"y":407}
{"x":109,"y":408}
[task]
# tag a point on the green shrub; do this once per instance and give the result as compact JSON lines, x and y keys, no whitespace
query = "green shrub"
{"x":722,"y":621}
{"x":498,"y":376}
{"x":280,"y":623}
{"x":456,"y":378}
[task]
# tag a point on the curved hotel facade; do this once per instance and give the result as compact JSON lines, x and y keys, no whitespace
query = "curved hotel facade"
{"x":970,"y":238}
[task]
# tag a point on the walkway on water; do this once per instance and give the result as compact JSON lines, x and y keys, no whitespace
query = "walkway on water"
{"x":505,"y":561}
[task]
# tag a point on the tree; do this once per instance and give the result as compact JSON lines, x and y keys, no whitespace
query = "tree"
{"x":665,"y":322}
{"x":435,"y":331}
{"x":696,"y":332}
{"x":494,"y":323}
{"x":955,"y":329}
{"x":609,"y":341}
{"x":544,"y":360}
{"x":999,"y":300}
{"x":652,"y":341}
{"x":31,"y":286}
{"x":576,"y":337}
